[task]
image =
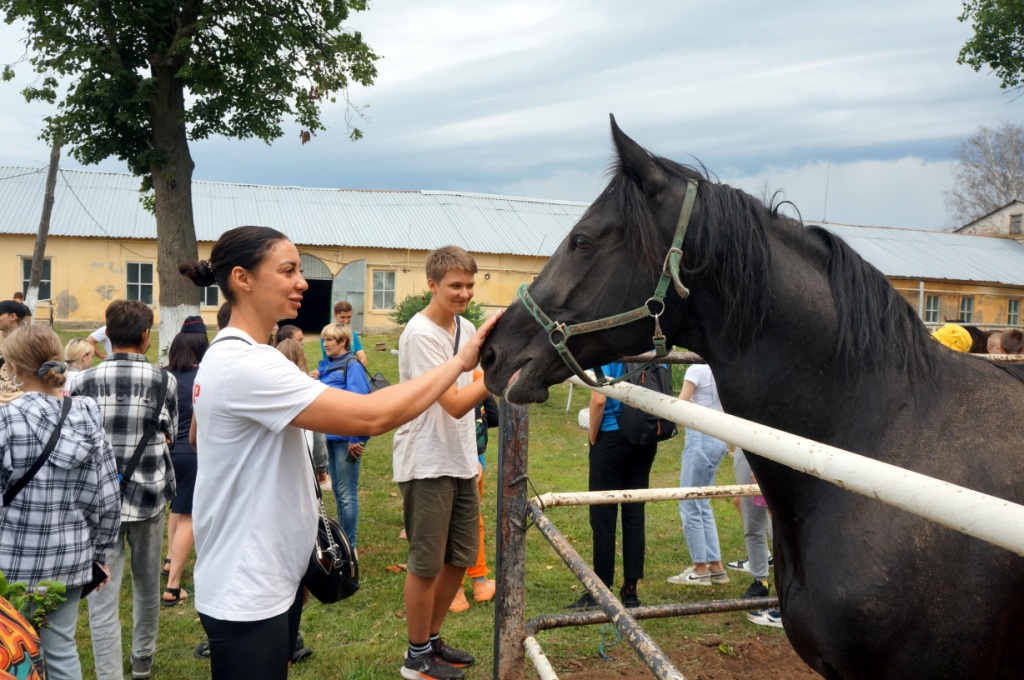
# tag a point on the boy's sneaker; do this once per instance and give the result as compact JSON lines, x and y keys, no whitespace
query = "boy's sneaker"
{"x":430,"y":667}
{"x":719,"y":577}
{"x":142,"y":667}
{"x":450,"y":655}
{"x":756,"y":589}
{"x":689,"y":577}
{"x":744,"y":565}
{"x":629,"y":597}
{"x":766,"y":617}
{"x":584,"y":604}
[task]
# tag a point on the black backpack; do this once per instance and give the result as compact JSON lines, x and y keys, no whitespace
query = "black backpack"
{"x":639,"y":427}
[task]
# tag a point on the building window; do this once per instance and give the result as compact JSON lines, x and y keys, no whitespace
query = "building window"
{"x":44,"y":278}
{"x":1013,"y":312}
{"x":140,"y":282}
{"x":383,"y":290}
{"x":1015,"y":221}
{"x":208,"y":296}
{"x":966,"y":310}
{"x":931,"y":309}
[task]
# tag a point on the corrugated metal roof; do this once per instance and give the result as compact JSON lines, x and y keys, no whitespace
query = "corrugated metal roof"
{"x":101,"y":204}
{"x":913,"y":254}
{"x":106,"y":205}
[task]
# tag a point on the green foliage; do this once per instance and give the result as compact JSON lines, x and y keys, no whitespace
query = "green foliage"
{"x":411,"y":304}
{"x":244,"y":68}
{"x":42,"y":600}
{"x":998,"y":34}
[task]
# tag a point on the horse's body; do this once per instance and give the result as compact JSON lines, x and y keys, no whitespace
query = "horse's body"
{"x":804,"y":336}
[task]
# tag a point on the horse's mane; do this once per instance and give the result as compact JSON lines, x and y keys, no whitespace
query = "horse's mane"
{"x":876,"y":326}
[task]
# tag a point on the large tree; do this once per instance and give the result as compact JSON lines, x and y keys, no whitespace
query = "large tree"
{"x":998,"y":40}
{"x":140,"y":80}
{"x":989,"y":173}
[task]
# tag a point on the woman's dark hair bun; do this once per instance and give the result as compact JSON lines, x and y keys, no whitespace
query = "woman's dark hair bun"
{"x":201,"y":273}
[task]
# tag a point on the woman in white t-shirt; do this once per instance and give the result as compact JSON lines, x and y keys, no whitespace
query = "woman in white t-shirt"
{"x":254,"y":510}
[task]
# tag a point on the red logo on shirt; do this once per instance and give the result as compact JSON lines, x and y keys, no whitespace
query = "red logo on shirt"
{"x":195,"y":392}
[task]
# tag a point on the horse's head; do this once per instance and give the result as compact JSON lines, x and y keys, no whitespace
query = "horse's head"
{"x":609,"y":263}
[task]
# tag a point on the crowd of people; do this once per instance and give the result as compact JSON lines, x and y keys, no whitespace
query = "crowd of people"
{"x":96,"y":441}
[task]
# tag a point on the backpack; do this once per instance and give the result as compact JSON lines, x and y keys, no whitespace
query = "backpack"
{"x":376,"y":382}
{"x":639,"y":427}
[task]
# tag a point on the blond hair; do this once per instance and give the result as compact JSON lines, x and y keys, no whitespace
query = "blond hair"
{"x":29,"y":347}
{"x":339,"y":333}
{"x":76,"y":349}
{"x":446,"y":259}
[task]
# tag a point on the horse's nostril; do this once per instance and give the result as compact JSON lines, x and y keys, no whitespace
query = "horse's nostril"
{"x":487,"y":357}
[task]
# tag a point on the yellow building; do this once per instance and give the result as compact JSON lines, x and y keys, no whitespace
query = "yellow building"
{"x":367,"y":247}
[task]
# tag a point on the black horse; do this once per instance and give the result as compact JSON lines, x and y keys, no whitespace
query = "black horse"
{"x":803,"y":335}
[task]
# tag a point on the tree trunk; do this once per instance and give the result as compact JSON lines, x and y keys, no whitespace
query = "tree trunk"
{"x":172,"y":189}
{"x":39,"y":252}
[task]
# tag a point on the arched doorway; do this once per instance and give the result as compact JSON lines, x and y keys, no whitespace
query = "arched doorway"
{"x":350,"y":284}
{"x":315,"y":312}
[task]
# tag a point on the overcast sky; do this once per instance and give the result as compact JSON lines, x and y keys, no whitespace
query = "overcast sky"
{"x":853,"y":109}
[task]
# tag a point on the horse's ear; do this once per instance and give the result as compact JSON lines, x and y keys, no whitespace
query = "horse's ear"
{"x":636,"y":163}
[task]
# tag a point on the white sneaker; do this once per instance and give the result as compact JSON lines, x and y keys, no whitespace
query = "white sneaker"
{"x":690,"y":577}
{"x":766,"y":617}
{"x":744,"y":565}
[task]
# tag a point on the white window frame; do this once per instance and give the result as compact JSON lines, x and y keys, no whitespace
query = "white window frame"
{"x":1013,"y":312}
{"x":45,"y":278}
{"x":931,"y":311}
{"x":134,"y":289}
{"x":967,"y":309}
{"x":384,"y":288}
{"x":208,"y":293}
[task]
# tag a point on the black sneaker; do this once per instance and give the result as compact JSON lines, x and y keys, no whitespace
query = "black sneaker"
{"x":629,"y":597}
{"x":301,"y":651}
{"x":584,"y":604}
{"x":455,"y":657}
{"x":756,"y":589}
{"x":142,"y":667}
{"x":430,"y":667}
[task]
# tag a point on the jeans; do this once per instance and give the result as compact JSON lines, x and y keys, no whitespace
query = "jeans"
{"x":702,"y":454}
{"x":755,"y":522}
{"x":616,"y":464}
{"x":144,"y":540}
{"x":345,"y":485}
{"x":57,"y":638}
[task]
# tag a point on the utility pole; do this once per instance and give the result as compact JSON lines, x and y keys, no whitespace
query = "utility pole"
{"x":39,"y":252}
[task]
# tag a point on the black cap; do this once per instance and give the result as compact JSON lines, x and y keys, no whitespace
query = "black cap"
{"x":12,"y":307}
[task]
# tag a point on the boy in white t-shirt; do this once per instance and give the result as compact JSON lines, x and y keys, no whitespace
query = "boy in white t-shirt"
{"x":435,"y":465}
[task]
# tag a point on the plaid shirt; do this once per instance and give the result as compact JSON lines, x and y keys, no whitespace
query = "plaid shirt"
{"x":69,"y":514}
{"x":125,"y":387}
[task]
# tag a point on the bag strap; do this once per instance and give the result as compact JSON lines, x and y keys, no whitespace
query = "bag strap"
{"x":151,"y":427}
{"x":51,"y":444}
{"x":458,"y":332}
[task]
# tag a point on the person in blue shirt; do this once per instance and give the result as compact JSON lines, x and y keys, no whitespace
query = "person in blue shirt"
{"x":344,"y":370}
{"x":616,"y":464}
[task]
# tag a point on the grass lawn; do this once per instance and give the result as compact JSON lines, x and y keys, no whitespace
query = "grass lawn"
{"x":364,"y":637}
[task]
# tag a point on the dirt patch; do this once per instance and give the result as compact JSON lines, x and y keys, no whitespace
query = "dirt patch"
{"x":757,"y":657}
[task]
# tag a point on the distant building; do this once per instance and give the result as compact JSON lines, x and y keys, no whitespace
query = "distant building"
{"x":368,"y":247}
{"x":1007,"y":222}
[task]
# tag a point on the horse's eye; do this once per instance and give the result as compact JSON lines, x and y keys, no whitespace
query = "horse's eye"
{"x":581,"y":243}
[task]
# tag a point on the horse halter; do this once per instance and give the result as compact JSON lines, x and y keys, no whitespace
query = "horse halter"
{"x":559,"y":333}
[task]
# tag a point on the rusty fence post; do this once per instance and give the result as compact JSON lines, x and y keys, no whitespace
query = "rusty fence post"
{"x":510,"y":599}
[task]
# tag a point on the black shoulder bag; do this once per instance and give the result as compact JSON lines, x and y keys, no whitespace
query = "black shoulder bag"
{"x":51,"y":444}
{"x":333,"y":571}
{"x":151,"y":426}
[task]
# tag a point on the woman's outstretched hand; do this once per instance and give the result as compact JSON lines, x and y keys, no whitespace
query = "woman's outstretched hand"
{"x":469,"y":355}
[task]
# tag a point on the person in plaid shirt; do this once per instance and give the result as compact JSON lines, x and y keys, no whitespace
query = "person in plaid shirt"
{"x":125,"y":386}
{"x":67,"y":516}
